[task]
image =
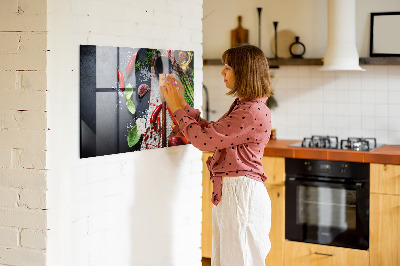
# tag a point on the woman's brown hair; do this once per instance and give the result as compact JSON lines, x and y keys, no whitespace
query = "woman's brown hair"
{"x":250,"y":66}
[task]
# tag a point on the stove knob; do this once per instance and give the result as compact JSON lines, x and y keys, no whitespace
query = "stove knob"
{"x":343,"y":168}
{"x":308,"y":166}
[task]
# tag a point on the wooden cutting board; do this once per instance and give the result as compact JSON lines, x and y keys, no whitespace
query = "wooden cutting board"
{"x":239,"y":35}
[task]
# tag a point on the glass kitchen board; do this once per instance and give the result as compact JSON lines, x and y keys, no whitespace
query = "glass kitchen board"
{"x":121,"y":106}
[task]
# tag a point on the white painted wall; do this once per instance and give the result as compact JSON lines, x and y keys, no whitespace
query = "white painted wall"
{"x":311,"y":102}
{"x":140,"y":208}
{"x":305,"y":18}
{"x":345,"y":103}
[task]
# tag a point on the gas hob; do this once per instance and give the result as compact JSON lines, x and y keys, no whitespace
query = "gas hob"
{"x":332,"y":142}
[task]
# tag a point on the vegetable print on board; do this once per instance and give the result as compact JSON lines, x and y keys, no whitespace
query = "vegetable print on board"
{"x":122,"y":108}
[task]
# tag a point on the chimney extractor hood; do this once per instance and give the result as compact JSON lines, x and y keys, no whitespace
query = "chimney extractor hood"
{"x":341,"y":51}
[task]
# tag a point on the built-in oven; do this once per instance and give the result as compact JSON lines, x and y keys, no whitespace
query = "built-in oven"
{"x":327,"y":202}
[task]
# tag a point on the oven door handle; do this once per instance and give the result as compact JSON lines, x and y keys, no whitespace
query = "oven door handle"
{"x":324,"y":254}
{"x":357,"y":185}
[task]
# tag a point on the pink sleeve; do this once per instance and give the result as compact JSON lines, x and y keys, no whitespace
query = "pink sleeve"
{"x":229,"y":131}
{"x":195,"y":114}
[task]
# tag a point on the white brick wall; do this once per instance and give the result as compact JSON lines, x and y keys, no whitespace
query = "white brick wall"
{"x":140,"y":208}
{"x":24,"y":256}
{"x":23,"y":132}
{"x":23,"y":178}
{"x":9,"y":237}
{"x":9,"y":197}
{"x":101,"y":209}
{"x":33,"y":239}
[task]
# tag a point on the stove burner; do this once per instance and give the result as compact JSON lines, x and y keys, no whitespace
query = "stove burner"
{"x":328,"y":142}
{"x":358,"y":144}
{"x":332,"y":142}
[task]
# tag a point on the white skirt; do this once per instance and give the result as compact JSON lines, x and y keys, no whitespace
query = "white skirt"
{"x":241,"y":223}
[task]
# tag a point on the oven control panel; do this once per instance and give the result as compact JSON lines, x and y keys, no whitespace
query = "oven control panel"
{"x":337,"y":169}
{"x":325,"y":167}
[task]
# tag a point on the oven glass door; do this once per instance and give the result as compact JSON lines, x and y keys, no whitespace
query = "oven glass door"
{"x":326,"y":213}
{"x":326,"y":207}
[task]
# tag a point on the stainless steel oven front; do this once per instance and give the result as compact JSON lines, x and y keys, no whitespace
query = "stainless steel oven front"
{"x":327,"y":202}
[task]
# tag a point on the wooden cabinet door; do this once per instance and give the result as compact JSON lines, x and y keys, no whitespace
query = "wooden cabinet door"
{"x":304,"y":254}
{"x":384,"y":237}
{"x":274,"y":168}
{"x":277,"y":233}
{"x":206,"y":232}
{"x":385,"y":178}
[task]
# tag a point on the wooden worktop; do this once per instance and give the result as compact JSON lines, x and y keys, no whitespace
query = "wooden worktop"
{"x":389,"y":154}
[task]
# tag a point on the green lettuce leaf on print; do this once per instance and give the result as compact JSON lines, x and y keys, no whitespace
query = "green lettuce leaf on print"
{"x":128,"y":94}
{"x":133,"y":137}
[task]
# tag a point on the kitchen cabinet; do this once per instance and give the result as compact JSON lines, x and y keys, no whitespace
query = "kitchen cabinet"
{"x":384,"y":221}
{"x":384,"y":245}
{"x":385,"y":178}
{"x":206,"y":226}
{"x":274,"y":168}
{"x":385,"y":215}
{"x":305,"y":254}
{"x":277,"y":233}
{"x":385,"y":230}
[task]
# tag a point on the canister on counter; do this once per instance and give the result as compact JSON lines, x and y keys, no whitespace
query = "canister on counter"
{"x":273,"y":134}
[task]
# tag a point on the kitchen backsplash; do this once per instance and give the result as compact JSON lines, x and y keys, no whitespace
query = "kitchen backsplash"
{"x":314,"y":102}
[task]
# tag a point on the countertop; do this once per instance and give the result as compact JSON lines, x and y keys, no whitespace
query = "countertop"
{"x":389,"y":154}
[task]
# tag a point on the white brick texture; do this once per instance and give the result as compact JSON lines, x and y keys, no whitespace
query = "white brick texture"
{"x":31,"y":53}
{"x":33,"y":239}
{"x":13,"y":119}
{"x":8,"y":197}
{"x":9,"y":237}
{"x":23,"y":139}
{"x":22,"y":100}
{"x":23,"y":218}
{"x":31,"y":80}
{"x":9,"y":42}
{"x":23,"y":125}
{"x":18,"y":256}
{"x":23,"y":178}
{"x":23,"y":15}
{"x":5,"y":158}
{"x":33,"y":199}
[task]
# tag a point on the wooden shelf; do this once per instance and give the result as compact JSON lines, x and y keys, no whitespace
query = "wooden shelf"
{"x":212,"y":62}
{"x":273,"y":63}
{"x":380,"y":61}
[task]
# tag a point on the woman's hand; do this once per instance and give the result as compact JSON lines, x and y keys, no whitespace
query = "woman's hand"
{"x":174,"y":93}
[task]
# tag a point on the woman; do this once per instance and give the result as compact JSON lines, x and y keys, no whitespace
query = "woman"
{"x":242,"y":208}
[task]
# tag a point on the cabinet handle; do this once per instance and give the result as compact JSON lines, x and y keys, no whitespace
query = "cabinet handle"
{"x":324,"y":254}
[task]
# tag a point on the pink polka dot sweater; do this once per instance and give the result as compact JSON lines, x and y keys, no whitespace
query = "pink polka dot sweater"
{"x":238,"y":140}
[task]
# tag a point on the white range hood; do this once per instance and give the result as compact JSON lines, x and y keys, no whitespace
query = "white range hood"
{"x":341,"y":51}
